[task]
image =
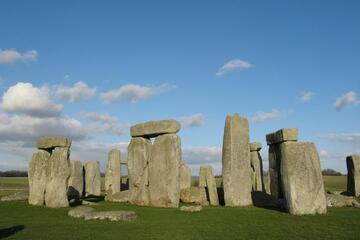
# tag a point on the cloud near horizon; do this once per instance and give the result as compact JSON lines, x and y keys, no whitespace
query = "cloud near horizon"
{"x":12,"y":55}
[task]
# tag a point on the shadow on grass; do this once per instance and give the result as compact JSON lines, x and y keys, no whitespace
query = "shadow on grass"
{"x":92,"y":198}
{"x":264,"y":200}
{"x":7,"y":232}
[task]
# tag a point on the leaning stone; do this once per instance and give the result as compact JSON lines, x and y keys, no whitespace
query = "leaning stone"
{"x":57,"y":175}
{"x":37,"y":177}
{"x":53,"y":142}
{"x":236,"y":170}
{"x":112,"y":174}
{"x":139,"y":151}
{"x":257,"y":168}
{"x":337,"y":200}
{"x":18,"y":196}
{"x":80,"y":212}
{"x":76,"y":180}
{"x":164,"y":184}
{"x":155,"y":128}
{"x":255,"y":146}
{"x":353,"y":176}
{"x":302,"y":179}
{"x":185,"y":176}
{"x":207,"y":180}
{"x":92,"y":178}
{"x":122,"y":196}
{"x":194,"y":195}
{"x":190,"y":208}
{"x":282,"y":135}
{"x":112,"y":216}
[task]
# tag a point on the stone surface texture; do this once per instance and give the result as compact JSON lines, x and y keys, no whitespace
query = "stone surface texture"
{"x":52,"y":142}
{"x":282,"y":135}
{"x":194,"y":195}
{"x":122,"y":196}
{"x":113,"y":172}
{"x":257,"y":170}
{"x":185,"y":176}
{"x":353,"y":176}
{"x":76,"y":180}
{"x":92,"y":178}
{"x":155,"y":128}
{"x":255,"y":146}
{"x":207,"y":180}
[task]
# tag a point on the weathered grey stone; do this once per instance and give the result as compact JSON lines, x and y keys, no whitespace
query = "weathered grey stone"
{"x":80,"y":212}
{"x":112,"y":216}
{"x":282,"y":135}
{"x":164,"y":184}
{"x":53,"y":142}
{"x":57,"y":177}
{"x":236,"y":169}
{"x":190,"y":208}
{"x":353,"y":176}
{"x":139,"y":151}
{"x":255,"y":146}
{"x":122,"y":196}
{"x":302,"y":179}
{"x":89,"y":203}
{"x":256,"y":166}
{"x":18,"y":196}
{"x":185,"y":176}
{"x":155,"y":128}
{"x":194,"y":195}
{"x":337,"y":200}
{"x":274,"y":174}
{"x":37,"y":177}
{"x":76,"y":180}
{"x":112,"y":174}
{"x":207,"y":180}
{"x":92,"y":178}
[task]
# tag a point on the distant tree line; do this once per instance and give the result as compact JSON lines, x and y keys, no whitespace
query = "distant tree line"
{"x":13,"y":173}
{"x":330,"y":172}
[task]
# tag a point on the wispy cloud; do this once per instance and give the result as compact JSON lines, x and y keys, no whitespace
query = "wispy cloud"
{"x":268,"y":116}
{"x":80,"y":91}
{"x":105,"y":123}
{"x":195,"y":120}
{"x":232,"y":65}
{"x":306,"y":97}
{"x":348,"y":98}
{"x":12,"y":55}
{"x":133,"y":93}
{"x":353,"y":138}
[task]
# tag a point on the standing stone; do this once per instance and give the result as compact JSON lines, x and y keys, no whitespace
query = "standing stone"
{"x":57,"y":177}
{"x":185,"y":176}
{"x":353,"y":176}
{"x":236,"y":170}
{"x":302,"y":179}
{"x":257,"y":168}
{"x":92,"y":178}
{"x":112,"y":174}
{"x":207,"y":180}
{"x":76,"y":180}
{"x":164,"y":184}
{"x":37,"y":177}
{"x":139,"y":151}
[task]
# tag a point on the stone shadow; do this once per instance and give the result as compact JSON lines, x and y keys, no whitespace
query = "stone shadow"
{"x":7,"y":232}
{"x":263,"y":200}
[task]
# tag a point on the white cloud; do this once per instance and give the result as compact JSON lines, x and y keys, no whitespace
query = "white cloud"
{"x":346,"y":99}
{"x":133,"y":93}
{"x":195,"y":120}
{"x":12,"y":55}
{"x":323,"y":154}
{"x":306,"y":96}
{"x":30,"y":100}
{"x":353,"y":138}
{"x":267,"y":116}
{"x":80,"y":91}
{"x":197,"y":156}
{"x":105,"y":123}
{"x":232,"y":65}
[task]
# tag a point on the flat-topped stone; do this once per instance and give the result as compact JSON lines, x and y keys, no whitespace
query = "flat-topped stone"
{"x":255,"y":146}
{"x":52,"y":142}
{"x":155,"y":128}
{"x":282,"y":135}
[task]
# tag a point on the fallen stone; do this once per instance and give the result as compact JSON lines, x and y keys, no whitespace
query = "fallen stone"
{"x":207,"y":180}
{"x":112,"y":216}
{"x":155,"y":128}
{"x":194,"y":195}
{"x":190,"y":208}
{"x":164,"y":184}
{"x":282,"y":135}
{"x":92,"y":178}
{"x":53,"y":142}
{"x":112,"y":174}
{"x":37,"y":177}
{"x":353,"y":176}
{"x":76,"y":180}
{"x":18,"y":196}
{"x":122,"y":196}
{"x":236,"y":169}
{"x":57,"y":177}
{"x":80,"y":212}
{"x":256,"y":166}
{"x":302,"y":179}
{"x":84,"y":202}
{"x":337,"y":200}
{"x":185,"y":176}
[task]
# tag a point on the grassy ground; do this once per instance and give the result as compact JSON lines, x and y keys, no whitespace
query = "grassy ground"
{"x":18,"y":220}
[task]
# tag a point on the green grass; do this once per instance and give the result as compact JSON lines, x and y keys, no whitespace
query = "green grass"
{"x":158,"y":223}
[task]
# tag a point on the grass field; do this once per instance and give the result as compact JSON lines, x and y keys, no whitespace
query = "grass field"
{"x":18,"y":220}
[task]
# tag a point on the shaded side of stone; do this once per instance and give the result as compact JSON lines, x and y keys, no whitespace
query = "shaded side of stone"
{"x":353,"y":176}
{"x":282,"y":135}
{"x":257,"y":171}
{"x":76,"y":180}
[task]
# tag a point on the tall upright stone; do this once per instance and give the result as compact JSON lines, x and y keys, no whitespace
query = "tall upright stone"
{"x":139,"y":151}
{"x":185,"y":176}
{"x":207,"y":180}
{"x":57,"y":174}
{"x":92,"y":178}
{"x":256,"y":166}
{"x":236,"y":169}
{"x":37,"y":177}
{"x":164,"y":163}
{"x":353,"y":176}
{"x":76,"y":180}
{"x":113,"y":172}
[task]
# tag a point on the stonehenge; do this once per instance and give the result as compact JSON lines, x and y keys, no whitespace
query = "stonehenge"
{"x":92,"y":178}
{"x":256,"y":167}
{"x":236,"y":169}
{"x":207,"y":180}
{"x":353,"y":176}
{"x":113,"y":172}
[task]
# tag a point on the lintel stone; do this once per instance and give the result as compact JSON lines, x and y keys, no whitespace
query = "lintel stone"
{"x":282,"y":135}
{"x":155,"y":128}
{"x":53,"y":142}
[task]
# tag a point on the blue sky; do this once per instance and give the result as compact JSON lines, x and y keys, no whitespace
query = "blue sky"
{"x":95,"y":68}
